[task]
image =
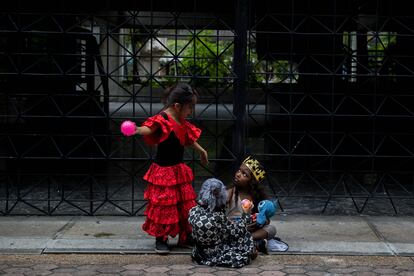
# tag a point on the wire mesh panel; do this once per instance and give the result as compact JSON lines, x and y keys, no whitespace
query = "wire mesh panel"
{"x":320,"y":91}
{"x":69,"y":77}
{"x":333,"y":104}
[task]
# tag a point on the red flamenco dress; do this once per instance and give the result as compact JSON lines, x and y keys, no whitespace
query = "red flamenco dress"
{"x":170,"y":193}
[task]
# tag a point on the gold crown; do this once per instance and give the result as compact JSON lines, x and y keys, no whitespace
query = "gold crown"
{"x":254,"y":167}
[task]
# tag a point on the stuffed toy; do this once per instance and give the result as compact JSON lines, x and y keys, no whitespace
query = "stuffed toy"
{"x":267,"y":209}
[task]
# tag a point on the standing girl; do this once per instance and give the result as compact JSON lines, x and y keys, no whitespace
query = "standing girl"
{"x":170,"y":193}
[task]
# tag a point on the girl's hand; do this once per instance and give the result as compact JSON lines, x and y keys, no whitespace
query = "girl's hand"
{"x":204,"y":157}
{"x":203,"y":153}
{"x":254,"y":217}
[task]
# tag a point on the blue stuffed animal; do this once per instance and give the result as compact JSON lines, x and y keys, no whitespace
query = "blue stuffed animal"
{"x":267,"y":209}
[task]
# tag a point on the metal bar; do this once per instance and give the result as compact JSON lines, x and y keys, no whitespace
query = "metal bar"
{"x":240,"y":65}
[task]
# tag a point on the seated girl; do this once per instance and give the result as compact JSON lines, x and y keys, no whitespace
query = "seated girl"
{"x":247,"y":185}
{"x":219,"y":241}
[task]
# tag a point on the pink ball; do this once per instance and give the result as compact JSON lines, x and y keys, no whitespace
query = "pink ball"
{"x":128,"y":128}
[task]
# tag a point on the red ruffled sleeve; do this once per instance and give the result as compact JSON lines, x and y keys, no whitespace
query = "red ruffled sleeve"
{"x":192,"y":133}
{"x":164,"y":128}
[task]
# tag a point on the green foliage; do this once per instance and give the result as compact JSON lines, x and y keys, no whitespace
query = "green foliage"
{"x":377,"y":44}
{"x":202,"y":56}
{"x":264,"y":72}
{"x":205,"y":57}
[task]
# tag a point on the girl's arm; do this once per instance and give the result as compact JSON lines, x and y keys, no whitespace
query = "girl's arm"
{"x":144,"y":130}
{"x":202,"y":152}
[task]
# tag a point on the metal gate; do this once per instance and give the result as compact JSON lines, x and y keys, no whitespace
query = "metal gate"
{"x":320,"y":92}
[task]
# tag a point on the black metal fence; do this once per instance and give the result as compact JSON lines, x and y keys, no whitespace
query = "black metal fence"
{"x":320,"y":92}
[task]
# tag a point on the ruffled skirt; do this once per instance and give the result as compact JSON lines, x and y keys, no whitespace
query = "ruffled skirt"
{"x":170,"y":196}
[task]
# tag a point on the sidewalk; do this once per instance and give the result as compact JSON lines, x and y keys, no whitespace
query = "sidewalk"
{"x":305,"y":234}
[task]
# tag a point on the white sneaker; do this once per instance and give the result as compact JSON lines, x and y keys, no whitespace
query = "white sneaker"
{"x":277,"y":246}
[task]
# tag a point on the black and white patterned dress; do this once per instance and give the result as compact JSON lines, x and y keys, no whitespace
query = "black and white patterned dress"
{"x":219,"y":241}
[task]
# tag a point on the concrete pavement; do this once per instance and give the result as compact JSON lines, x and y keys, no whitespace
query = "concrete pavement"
{"x":155,"y":265}
{"x":305,"y":234}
